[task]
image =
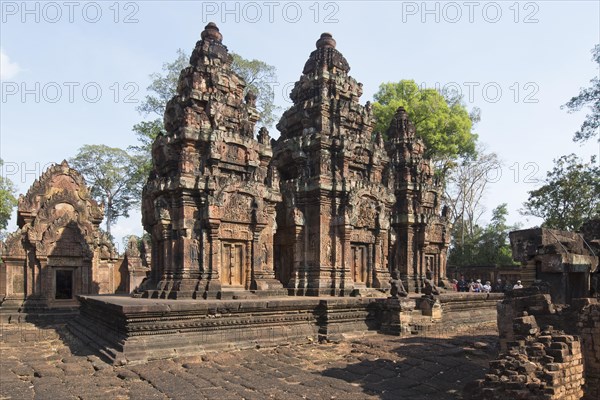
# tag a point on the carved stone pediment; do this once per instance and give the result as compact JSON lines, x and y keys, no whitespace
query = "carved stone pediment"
{"x":58,"y":180}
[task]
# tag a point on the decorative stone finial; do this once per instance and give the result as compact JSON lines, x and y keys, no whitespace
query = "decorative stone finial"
{"x":326,"y":41}
{"x":401,"y":126}
{"x":211,"y":32}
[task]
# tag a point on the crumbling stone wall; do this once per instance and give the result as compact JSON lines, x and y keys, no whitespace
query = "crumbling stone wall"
{"x":589,"y":326}
{"x":541,"y":364}
{"x":520,"y":316}
{"x":534,"y":300}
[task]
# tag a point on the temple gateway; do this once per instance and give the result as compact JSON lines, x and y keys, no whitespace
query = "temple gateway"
{"x":58,"y":252}
{"x":329,"y":208}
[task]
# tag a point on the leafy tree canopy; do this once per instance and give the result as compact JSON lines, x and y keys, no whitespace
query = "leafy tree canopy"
{"x":114,"y":177}
{"x":8,"y":201}
{"x":441,"y":120}
{"x":484,"y":245}
{"x":588,"y":97}
{"x":570,"y":196}
{"x":260,"y":77}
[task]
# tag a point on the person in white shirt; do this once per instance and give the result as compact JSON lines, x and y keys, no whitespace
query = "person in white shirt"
{"x":487,"y":287}
{"x":518,"y":285}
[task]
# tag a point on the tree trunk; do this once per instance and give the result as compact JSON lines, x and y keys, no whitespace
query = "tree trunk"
{"x":108,"y":216}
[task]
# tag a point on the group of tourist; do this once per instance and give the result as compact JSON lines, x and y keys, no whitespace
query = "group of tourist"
{"x":475,"y":285}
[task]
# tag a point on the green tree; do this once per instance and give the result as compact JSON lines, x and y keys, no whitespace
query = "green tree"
{"x":260,"y":77}
{"x":590,"y":97}
{"x":570,"y":196}
{"x":494,"y":247}
{"x":484,"y":245}
{"x":463,"y":245}
{"x":8,"y":201}
{"x":441,"y":119}
{"x":162,"y":88}
{"x":114,"y":176}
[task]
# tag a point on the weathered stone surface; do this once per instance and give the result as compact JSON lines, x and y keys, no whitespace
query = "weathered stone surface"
{"x":420,"y":227}
{"x":58,"y":252}
{"x":334,"y":222}
{"x":138,"y":260}
{"x":330,"y":209}
{"x":538,"y":365}
{"x":371,"y":367}
{"x":589,"y":330}
{"x":591,"y":234}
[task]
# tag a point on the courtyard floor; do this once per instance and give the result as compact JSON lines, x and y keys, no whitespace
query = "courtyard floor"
{"x":50,"y":363}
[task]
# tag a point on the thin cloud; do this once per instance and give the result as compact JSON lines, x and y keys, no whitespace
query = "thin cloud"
{"x":8,"y":68}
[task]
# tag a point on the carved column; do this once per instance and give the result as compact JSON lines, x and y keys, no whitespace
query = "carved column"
{"x":378,"y":260}
{"x":255,"y":260}
{"x":213,"y":279}
{"x":369,"y":264}
{"x":299,"y":270}
{"x":165,"y":247}
{"x":347,"y":281}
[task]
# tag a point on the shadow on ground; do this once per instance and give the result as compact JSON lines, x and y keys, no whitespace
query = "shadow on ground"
{"x":36,"y":330}
{"x":418,"y":367}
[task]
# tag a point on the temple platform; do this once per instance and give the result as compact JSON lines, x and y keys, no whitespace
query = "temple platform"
{"x":134,"y":330}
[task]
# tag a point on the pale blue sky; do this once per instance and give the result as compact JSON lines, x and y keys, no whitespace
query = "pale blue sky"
{"x":530,"y":51}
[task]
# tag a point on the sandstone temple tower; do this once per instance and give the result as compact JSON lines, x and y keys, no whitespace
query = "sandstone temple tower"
{"x":58,"y":252}
{"x":209,"y":203}
{"x":421,"y":232}
{"x":334,"y":221}
{"x":329,"y":208}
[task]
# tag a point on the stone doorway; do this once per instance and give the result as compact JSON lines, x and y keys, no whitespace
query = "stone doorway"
{"x":232,"y":264}
{"x":359,"y":263}
{"x":578,"y":286}
{"x":63,"y":289}
{"x":284,"y":266}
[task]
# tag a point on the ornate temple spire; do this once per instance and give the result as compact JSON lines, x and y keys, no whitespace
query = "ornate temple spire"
{"x":210,"y":48}
{"x":222,"y":191}
{"x":326,"y":57}
{"x":331,"y":170}
{"x":211,"y":33}
{"x":326,"y":40}
{"x":325,"y":91}
{"x":401,"y":127}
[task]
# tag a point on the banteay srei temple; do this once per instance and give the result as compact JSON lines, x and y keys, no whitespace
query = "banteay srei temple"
{"x":325,"y":231}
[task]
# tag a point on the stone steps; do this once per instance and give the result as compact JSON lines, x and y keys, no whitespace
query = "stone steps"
{"x":105,"y":349}
{"x":21,"y":312}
